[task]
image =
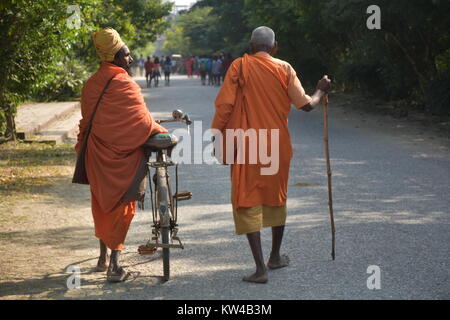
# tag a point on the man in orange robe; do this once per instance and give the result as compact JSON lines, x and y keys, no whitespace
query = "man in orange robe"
{"x":257,"y":95}
{"x":120,"y":127}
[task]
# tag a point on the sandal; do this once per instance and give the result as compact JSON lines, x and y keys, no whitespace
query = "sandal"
{"x":119,"y":276}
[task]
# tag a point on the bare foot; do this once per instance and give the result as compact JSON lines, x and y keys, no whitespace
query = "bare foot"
{"x":256,"y":278}
{"x":102,"y":264}
{"x":280,"y":262}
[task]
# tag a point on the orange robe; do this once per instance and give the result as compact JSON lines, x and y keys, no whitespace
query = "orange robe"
{"x":257,"y":93}
{"x":121,"y":126}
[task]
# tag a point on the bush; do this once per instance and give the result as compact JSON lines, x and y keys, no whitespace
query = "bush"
{"x":439,"y":95}
{"x":64,"y":82}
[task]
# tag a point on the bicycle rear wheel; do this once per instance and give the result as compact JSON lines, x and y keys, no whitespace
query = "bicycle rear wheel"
{"x":166,"y":252}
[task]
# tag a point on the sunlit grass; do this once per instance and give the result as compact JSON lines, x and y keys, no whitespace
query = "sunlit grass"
{"x":36,"y":154}
{"x":27,"y":170}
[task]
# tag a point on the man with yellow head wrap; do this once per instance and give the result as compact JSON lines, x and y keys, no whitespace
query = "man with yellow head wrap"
{"x":121,"y":125}
{"x":107,"y":43}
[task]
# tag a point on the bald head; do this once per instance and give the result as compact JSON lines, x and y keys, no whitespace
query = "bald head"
{"x":263,"y":36}
{"x":263,"y":39}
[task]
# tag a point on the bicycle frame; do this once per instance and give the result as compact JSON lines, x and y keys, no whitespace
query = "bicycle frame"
{"x":164,"y":201}
{"x":165,"y":204}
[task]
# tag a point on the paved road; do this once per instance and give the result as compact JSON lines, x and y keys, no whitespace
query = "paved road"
{"x":391,"y":187}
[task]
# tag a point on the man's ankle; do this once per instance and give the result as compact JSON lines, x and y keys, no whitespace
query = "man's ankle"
{"x":275,"y":255}
{"x":261,"y":270}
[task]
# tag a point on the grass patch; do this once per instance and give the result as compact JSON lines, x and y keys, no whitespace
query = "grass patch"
{"x":36,"y":154}
{"x":27,"y":170}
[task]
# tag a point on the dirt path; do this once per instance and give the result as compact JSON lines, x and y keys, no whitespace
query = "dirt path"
{"x":45,"y":236}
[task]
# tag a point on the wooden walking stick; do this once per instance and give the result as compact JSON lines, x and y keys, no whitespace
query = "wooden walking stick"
{"x":327,"y":156}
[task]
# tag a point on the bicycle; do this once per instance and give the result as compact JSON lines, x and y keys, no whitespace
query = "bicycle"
{"x":164,"y":203}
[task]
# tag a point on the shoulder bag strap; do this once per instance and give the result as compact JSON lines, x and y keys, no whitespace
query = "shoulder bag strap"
{"x":88,"y":130}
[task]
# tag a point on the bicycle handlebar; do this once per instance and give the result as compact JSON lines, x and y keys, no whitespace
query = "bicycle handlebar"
{"x":178,"y":116}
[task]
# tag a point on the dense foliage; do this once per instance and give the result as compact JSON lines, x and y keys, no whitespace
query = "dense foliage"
{"x":46,"y":55}
{"x":407,"y":59}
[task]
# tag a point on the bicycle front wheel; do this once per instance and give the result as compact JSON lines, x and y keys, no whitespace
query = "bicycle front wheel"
{"x":166,"y":253}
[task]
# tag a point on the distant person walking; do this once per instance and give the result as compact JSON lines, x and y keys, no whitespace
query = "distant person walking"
{"x":216,"y":68}
{"x":209,"y":70}
{"x":189,"y":63}
{"x":202,"y":67}
{"x":167,"y":67}
{"x":148,"y":71}
{"x":156,"y":71}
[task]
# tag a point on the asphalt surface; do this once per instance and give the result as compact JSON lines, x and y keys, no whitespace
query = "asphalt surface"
{"x":391,"y":187}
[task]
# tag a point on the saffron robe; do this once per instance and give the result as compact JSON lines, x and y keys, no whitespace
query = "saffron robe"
{"x":120,"y":127}
{"x":257,"y":94}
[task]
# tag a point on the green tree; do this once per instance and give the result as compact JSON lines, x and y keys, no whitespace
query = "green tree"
{"x":31,"y":35}
{"x":403,"y":60}
{"x":139,"y":22}
{"x":210,"y":26}
{"x":193,"y":32}
{"x":176,"y":42}
{"x":408,"y":58}
{"x":44,"y":58}
{"x":199,"y":26}
{"x":231,"y":22}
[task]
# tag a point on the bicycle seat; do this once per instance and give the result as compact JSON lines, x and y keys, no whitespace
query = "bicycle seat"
{"x":160,"y":141}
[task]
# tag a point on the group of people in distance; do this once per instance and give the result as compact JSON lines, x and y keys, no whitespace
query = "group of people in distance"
{"x":153,"y":68}
{"x":209,"y":68}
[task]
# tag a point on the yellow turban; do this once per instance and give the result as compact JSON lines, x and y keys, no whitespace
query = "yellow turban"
{"x":107,"y":42}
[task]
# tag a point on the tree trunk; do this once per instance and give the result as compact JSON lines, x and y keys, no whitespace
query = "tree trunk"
{"x":10,"y":126}
{"x":420,"y":76}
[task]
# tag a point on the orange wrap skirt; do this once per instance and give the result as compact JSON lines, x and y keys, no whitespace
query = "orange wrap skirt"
{"x":112,"y":227}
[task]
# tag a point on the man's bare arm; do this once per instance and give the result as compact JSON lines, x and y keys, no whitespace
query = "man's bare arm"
{"x":315,"y":100}
{"x":323,"y":87}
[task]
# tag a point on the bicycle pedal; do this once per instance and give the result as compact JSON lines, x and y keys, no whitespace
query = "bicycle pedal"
{"x":183,"y":195}
{"x":146,"y":250}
